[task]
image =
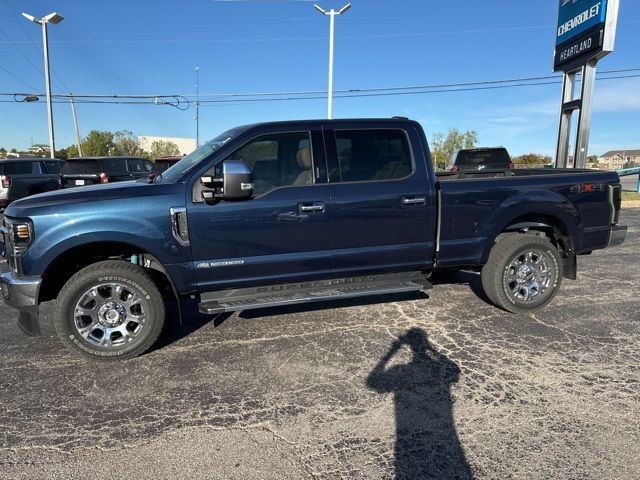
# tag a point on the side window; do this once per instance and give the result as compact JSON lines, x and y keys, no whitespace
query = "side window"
{"x":114,"y":165}
{"x":278,"y":160}
{"x":51,"y":167}
{"x":18,"y":168}
{"x":138,"y":165}
{"x":373,"y":155}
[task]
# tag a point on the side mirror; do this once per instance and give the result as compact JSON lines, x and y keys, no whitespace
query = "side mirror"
{"x":236,"y":183}
{"x":237,"y":180}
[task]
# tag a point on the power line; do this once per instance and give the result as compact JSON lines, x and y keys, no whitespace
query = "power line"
{"x":183,"y":103}
{"x":16,"y":77}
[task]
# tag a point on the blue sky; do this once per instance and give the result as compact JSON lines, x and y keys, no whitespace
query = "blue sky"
{"x":152,"y":47}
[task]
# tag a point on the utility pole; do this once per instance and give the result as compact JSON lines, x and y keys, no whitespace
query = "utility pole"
{"x":332,"y":15}
{"x":54,"y":18}
{"x":75,"y":125}
{"x":197,"y":106}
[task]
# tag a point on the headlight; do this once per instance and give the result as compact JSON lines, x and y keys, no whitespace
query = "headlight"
{"x":20,"y":235}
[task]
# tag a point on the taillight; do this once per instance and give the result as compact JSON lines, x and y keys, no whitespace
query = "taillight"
{"x":104,"y":178}
{"x":6,"y":181}
{"x":512,"y":167}
{"x":454,"y":169}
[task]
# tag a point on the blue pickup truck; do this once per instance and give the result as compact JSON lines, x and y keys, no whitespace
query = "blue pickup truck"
{"x":291,"y":212}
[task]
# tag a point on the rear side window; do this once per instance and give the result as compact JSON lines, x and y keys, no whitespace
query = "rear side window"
{"x":51,"y":167}
{"x":18,"y":168}
{"x":373,"y":155}
{"x":138,"y":165}
{"x":496,"y":158}
{"x":113,"y":165}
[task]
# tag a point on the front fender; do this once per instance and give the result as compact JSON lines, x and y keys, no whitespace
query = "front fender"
{"x":58,"y":233}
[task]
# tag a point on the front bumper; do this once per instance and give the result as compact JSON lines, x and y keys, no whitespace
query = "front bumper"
{"x":617,"y":235}
{"x":21,"y":293}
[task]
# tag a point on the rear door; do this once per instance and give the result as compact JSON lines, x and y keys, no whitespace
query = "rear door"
{"x":382,"y":202}
{"x":117,"y":169}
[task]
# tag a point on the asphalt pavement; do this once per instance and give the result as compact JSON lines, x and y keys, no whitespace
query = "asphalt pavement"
{"x":328,"y":392}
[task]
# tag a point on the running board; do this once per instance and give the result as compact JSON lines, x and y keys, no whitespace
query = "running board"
{"x":213,"y":303}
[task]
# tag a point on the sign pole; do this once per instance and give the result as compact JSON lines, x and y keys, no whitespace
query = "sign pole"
{"x":562,"y":151}
{"x":584,"y":118}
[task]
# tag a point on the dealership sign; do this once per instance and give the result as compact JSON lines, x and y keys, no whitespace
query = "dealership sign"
{"x":586,"y":28}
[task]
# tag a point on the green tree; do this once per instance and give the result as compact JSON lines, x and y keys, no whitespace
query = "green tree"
{"x":443,"y":147}
{"x":532,"y":159}
{"x":127,"y":144}
{"x":62,"y":154}
{"x":72,"y":151}
{"x":593,"y":159}
{"x":98,"y":143}
{"x":3,"y":152}
{"x":162,"y":148}
{"x":13,"y":150}
{"x":436,"y":151}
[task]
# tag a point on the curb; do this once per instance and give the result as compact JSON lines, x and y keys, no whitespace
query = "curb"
{"x":631,"y":204}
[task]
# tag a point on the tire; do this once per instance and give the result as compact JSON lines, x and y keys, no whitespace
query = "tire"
{"x":523,"y":273}
{"x":110,"y":310}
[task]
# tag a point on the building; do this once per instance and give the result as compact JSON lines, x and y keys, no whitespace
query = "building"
{"x":39,"y":150}
{"x":617,"y":159}
{"x":185,"y":145}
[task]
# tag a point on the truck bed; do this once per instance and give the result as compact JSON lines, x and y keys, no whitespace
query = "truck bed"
{"x":474,"y":206}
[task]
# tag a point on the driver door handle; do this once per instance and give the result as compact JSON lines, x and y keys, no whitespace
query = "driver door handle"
{"x":311,"y":207}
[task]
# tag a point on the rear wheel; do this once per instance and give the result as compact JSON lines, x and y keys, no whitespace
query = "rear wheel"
{"x":109,"y":310}
{"x":523,"y":272}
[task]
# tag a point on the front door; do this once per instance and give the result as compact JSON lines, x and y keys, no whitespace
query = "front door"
{"x":280,"y":235}
{"x":382,"y":203}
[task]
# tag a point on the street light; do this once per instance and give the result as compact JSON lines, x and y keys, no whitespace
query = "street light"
{"x":54,"y":18}
{"x":332,"y":15}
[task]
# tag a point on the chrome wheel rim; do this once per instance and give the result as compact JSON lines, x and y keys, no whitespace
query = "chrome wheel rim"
{"x":110,"y":315}
{"x":527,"y":278}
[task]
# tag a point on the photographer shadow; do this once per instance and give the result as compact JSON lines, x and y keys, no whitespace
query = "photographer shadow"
{"x":427,"y":444}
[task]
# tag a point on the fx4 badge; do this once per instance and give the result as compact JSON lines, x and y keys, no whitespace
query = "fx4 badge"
{"x":588,"y":188}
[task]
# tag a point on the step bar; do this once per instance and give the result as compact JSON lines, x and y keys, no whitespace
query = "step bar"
{"x":213,"y":303}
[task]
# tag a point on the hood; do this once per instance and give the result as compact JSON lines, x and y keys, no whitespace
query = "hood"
{"x":55,"y":201}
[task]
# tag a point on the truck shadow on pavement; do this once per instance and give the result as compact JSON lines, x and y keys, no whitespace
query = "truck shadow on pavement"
{"x":427,"y":444}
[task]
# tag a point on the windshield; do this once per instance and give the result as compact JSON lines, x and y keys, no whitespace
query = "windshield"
{"x":192,"y":160}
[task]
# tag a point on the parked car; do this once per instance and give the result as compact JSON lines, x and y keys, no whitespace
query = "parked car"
{"x":78,"y":172}
{"x":474,"y":159}
{"x":22,"y":177}
{"x":163,"y":163}
{"x":293,"y":212}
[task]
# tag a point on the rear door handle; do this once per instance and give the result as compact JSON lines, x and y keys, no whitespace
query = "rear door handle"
{"x":311,"y":207}
{"x":414,"y":201}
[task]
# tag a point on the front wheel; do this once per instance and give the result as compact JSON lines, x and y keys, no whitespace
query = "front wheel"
{"x":109,"y":310}
{"x":523,"y":272}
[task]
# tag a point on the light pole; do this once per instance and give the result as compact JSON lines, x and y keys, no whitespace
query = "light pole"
{"x":54,"y":18}
{"x":197,"y":106}
{"x":75,"y":125}
{"x":332,"y":15}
